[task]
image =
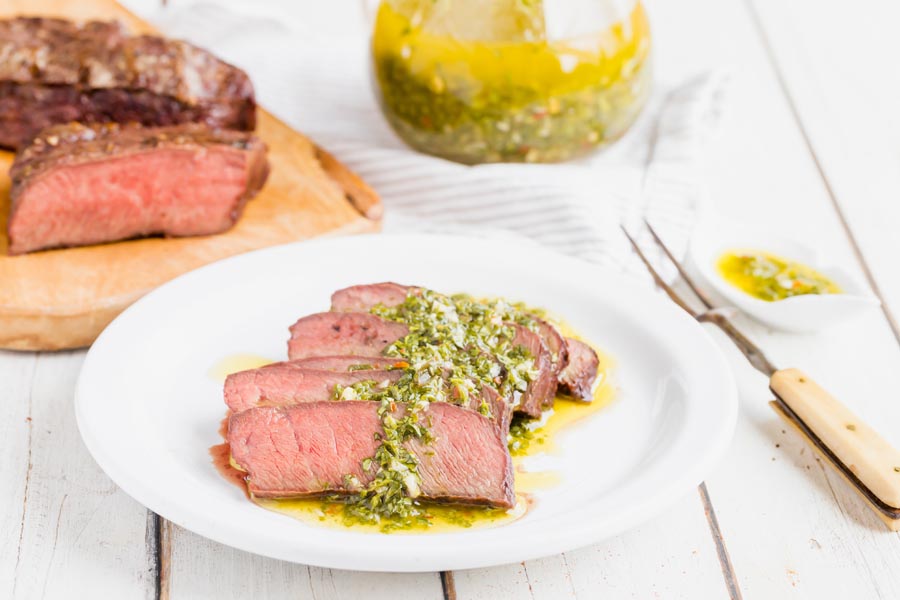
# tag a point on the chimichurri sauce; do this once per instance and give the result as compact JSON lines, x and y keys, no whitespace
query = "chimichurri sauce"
{"x":769,"y":277}
{"x":501,"y":91}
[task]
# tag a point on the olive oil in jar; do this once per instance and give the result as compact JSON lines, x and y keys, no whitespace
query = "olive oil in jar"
{"x":487,"y":81}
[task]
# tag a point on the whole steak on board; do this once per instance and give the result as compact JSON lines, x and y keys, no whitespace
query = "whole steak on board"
{"x":56,"y":71}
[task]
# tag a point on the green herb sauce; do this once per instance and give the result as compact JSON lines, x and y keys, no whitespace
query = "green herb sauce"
{"x":493,"y":87}
{"x":771,"y":278}
{"x":455,"y":345}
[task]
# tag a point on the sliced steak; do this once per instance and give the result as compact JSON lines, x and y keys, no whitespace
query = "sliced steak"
{"x":307,"y":449}
{"x":361,"y":298}
{"x":555,"y":344}
{"x":283,"y":384}
{"x":540,"y":393}
{"x":331,"y":334}
{"x":501,"y":409}
{"x":542,"y":390}
{"x":55,"y":71}
{"x":76,"y":185}
{"x":343,"y":364}
{"x":577,"y":379}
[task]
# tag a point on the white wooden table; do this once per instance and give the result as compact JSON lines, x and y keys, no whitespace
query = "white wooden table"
{"x":811,"y":149}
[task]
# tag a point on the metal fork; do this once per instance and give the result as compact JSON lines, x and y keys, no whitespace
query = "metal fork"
{"x":864,"y":458}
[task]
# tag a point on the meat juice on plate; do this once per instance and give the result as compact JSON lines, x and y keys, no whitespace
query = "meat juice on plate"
{"x":456,"y":364}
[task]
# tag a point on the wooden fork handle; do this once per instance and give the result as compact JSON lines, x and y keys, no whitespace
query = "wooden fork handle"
{"x":870,"y":459}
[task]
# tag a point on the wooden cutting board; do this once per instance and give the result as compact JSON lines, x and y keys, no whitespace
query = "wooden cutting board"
{"x":64,"y":298}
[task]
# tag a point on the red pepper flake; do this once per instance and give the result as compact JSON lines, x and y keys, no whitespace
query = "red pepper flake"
{"x":401,"y":364}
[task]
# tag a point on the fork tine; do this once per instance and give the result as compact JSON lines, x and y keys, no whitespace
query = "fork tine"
{"x":656,"y":277}
{"x":681,"y":270}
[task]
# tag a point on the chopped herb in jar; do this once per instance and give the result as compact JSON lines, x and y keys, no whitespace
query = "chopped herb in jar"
{"x":483,"y":91}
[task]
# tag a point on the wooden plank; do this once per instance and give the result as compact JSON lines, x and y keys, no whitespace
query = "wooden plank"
{"x":671,"y":556}
{"x":792,"y":529}
{"x":71,"y":533}
{"x":201,"y":568}
{"x":16,"y":374}
{"x":845,"y":96}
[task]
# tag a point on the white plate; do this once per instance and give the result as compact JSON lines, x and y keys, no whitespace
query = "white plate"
{"x":149,"y":410}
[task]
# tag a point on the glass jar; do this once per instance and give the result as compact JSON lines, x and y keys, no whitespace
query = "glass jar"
{"x":510,"y":80}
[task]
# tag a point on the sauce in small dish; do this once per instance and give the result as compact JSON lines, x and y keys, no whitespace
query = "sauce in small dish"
{"x":777,"y":280}
{"x":770,"y":277}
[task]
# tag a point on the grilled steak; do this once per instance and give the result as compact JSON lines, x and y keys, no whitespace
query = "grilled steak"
{"x":577,"y":379}
{"x":55,"y":71}
{"x":296,"y":382}
{"x":343,"y":364}
{"x":283,"y":384}
{"x":76,"y":185}
{"x":540,"y":393}
{"x":542,"y":390}
{"x":307,"y":449}
{"x":500,"y":409}
{"x":361,"y":298}
{"x":331,"y":334}
{"x":555,"y":344}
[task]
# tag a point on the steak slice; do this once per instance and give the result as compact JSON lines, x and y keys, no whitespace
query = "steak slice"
{"x":295,"y":382}
{"x":541,"y":392}
{"x":55,"y":71}
{"x":331,"y":333}
{"x":577,"y":379}
{"x":76,"y":185}
{"x":343,"y":364}
{"x":362,"y":298}
{"x":555,"y":344}
{"x":500,"y":407}
{"x":307,"y":449}
{"x":283,"y":384}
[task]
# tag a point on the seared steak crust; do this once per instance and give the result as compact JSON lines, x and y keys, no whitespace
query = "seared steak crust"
{"x":75,"y":143}
{"x":54,"y":71}
{"x":554,"y":343}
{"x":577,"y":379}
{"x":541,"y":391}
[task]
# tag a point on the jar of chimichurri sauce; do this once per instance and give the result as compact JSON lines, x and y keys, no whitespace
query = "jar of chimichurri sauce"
{"x":510,"y":80}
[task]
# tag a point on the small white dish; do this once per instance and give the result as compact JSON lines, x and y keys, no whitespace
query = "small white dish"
{"x":800,"y":314}
{"x":148,"y":409}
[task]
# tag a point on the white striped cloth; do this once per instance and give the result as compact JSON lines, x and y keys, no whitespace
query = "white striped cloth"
{"x":309,"y":63}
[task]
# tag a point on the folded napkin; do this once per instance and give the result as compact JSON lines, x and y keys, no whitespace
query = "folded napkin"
{"x":310,"y":65}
